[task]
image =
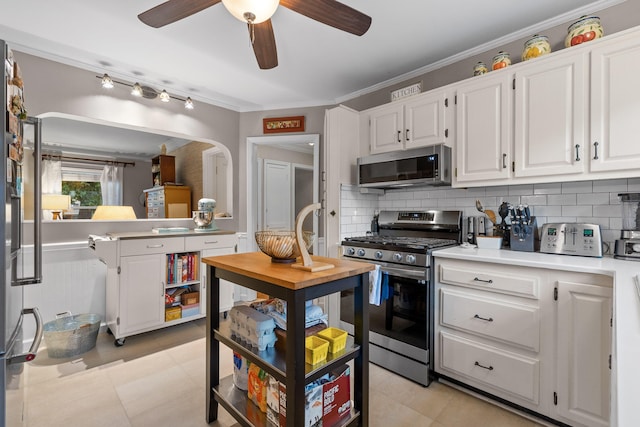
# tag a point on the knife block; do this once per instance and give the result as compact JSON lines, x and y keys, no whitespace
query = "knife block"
{"x":525,"y":240}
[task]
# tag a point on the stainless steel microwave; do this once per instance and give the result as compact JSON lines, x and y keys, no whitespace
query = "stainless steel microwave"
{"x":396,"y":169}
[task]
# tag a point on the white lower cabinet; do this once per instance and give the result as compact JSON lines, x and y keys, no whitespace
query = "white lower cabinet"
{"x":538,"y":338}
{"x":147,"y":269}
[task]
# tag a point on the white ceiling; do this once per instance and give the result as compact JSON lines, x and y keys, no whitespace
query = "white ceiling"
{"x":208,"y":55}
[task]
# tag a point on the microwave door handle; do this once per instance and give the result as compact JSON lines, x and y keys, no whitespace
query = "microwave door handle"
{"x":37,"y":211}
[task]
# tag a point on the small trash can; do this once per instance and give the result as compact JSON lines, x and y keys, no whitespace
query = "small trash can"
{"x":70,"y":335}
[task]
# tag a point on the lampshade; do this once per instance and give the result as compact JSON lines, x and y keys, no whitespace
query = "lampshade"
{"x":254,"y":11}
{"x":114,"y":212}
{"x":56,"y":203}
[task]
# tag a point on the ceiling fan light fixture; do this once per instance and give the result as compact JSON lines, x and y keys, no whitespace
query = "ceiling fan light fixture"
{"x":107,"y":82}
{"x":136,"y":90}
{"x":164,"y":96}
{"x":251,"y":11}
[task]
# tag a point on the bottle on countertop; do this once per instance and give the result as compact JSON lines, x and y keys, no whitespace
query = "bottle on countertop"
{"x":374,"y":224}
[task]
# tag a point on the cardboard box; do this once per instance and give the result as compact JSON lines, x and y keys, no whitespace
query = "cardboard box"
{"x":190,"y":298}
{"x":325,"y":404}
{"x":173,"y":313}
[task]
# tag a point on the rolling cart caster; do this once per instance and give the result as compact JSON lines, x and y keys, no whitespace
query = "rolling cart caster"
{"x":119,"y":342}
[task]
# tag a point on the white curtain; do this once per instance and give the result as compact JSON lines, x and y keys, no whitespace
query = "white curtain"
{"x":111,"y":185}
{"x":51,"y":177}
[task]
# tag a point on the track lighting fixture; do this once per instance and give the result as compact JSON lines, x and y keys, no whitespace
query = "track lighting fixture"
{"x":147,"y":92}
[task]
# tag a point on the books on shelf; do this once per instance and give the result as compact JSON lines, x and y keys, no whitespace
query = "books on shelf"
{"x":182,"y":267}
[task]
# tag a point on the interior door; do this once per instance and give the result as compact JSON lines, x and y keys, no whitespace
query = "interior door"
{"x":277,"y":195}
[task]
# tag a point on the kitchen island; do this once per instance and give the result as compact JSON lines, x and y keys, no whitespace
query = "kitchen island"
{"x":625,"y":334}
{"x":256,"y":271}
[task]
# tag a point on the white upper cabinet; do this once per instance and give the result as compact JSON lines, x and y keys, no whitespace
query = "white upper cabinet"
{"x":483,"y":133}
{"x":418,"y":121}
{"x":615,"y":104}
{"x":550,"y":117}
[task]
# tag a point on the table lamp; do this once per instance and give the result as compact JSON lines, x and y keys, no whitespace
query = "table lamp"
{"x":56,"y":203}
{"x":111,"y":212}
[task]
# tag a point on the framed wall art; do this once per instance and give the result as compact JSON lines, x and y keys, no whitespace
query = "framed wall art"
{"x":283,"y":124}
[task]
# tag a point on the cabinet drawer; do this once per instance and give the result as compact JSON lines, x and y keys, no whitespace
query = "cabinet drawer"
{"x":512,"y":323}
{"x":502,"y":279}
{"x":210,"y":241}
{"x":510,"y":372}
{"x":151,"y":246}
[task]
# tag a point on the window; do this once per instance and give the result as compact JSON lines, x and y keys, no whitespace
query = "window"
{"x":82,"y":183}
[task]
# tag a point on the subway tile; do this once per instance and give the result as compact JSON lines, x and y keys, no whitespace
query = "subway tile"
{"x":592,"y":199}
{"x":633,"y":185}
{"x":561,"y":199}
{"x":577,"y":187}
{"x":467,"y":201}
{"x":576,"y":211}
{"x":615,"y":223}
{"x":614,"y":211}
{"x":561,"y":219}
{"x":602,"y":222}
{"x":521,"y":190}
{"x":489,"y":202}
{"x":610,"y":186}
{"x":536,"y":200}
{"x":497,"y":191}
{"x":614,"y":199}
{"x":416,"y":203}
{"x":538,"y":210}
{"x":399,"y":204}
{"x":547,"y":188}
{"x":421,"y":194}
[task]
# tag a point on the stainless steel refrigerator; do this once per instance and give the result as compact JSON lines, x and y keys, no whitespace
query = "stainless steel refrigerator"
{"x":18,"y":272}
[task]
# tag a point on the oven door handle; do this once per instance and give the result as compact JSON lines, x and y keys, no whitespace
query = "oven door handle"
{"x":404,"y":272}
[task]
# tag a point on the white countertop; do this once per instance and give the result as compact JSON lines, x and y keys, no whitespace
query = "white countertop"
{"x":147,"y":234}
{"x":625,"y":369}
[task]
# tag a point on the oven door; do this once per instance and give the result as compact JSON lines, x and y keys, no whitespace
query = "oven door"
{"x":399,"y":323}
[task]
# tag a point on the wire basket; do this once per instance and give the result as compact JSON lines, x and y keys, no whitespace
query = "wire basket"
{"x":70,"y":335}
{"x":282,"y":246}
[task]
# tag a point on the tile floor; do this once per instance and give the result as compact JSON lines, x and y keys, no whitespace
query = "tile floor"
{"x":157,"y":379}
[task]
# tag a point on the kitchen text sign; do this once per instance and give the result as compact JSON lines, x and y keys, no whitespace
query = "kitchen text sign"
{"x":406,"y":91}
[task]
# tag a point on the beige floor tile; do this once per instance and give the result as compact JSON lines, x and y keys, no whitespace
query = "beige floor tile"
{"x":384,"y":411}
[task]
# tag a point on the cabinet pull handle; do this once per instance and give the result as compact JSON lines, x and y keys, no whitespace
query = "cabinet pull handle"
{"x":210,"y":242}
{"x":595,"y":150}
{"x":490,"y":319}
{"x":399,"y":132}
{"x":162,"y":289}
{"x":504,"y":161}
{"x":406,"y":134}
{"x":475,"y":279}
{"x":155,"y":246}
{"x":488,"y":368}
{"x":577,"y":152}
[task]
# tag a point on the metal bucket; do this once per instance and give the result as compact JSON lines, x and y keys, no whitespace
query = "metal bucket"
{"x":70,"y":335}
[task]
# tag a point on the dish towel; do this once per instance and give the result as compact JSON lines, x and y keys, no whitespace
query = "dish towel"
{"x":375,"y":285}
{"x":386,"y":292}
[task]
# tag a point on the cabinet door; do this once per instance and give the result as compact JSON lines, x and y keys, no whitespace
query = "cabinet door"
{"x":226,"y":287}
{"x":550,"y":117}
{"x":615,"y":105}
{"x":386,"y":124}
{"x":483,"y":136}
{"x":584,"y":349}
{"x":424,"y":120}
{"x":141,"y":292}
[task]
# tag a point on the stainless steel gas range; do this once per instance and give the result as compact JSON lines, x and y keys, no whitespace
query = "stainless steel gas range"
{"x":401,"y":330}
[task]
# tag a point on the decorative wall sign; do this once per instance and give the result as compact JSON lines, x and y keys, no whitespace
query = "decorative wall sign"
{"x":414,"y":89}
{"x":283,"y":124}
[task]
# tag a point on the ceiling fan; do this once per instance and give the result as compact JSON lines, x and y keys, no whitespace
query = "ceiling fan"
{"x":257,"y":14}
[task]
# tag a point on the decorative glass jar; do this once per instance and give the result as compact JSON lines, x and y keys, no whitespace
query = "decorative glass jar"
{"x":501,"y":60}
{"x":480,"y":68}
{"x":536,"y":46}
{"x":585,"y":29}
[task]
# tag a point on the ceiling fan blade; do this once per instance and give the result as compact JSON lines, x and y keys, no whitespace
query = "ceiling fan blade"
{"x":264,"y":44}
{"x":173,"y":10}
{"x":332,"y":13}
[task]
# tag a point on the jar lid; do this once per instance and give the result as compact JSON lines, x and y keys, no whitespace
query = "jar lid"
{"x":536,"y":38}
{"x":583,"y":20}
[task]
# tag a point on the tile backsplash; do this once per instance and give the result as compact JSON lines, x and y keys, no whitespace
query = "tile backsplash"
{"x":594,"y":202}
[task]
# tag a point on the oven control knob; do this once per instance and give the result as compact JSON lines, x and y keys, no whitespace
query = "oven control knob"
{"x":378,"y":255}
{"x":361,"y":252}
{"x":411,"y":259}
{"x":351,"y":251}
{"x":397,"y":257}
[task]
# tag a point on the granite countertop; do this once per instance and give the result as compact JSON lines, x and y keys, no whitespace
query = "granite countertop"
{"x":625,"y":375}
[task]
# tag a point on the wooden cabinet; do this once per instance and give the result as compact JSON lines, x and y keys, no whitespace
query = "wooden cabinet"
{"x":535,"y":337}
{"x":256,"y":271}
{"x":145,"y":269}
{"x":584,"y":352}
{"x":168,"y":201}
{"x":615,"y":104}
{"x":163,"y":170}
{"x":416,"y":122}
